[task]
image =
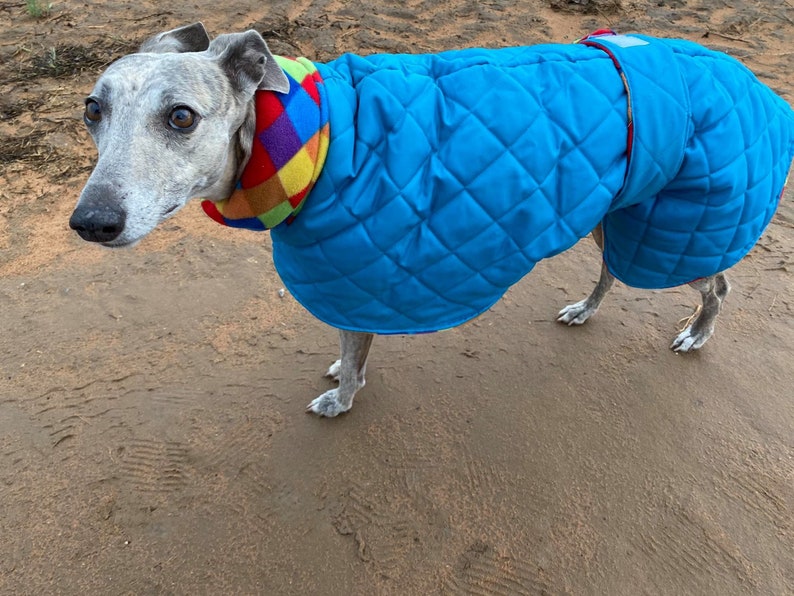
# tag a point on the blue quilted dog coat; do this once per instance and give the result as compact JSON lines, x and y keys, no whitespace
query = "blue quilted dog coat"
{"x":449,"y":176}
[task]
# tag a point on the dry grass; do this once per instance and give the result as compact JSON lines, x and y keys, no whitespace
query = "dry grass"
{"x":29,"y":148}
{"x":600,"y":7}
{"x":63,"y":61}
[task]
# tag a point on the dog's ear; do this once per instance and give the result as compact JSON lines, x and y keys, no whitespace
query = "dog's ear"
{"x":247,"y":61}
{"x":190,"y":38}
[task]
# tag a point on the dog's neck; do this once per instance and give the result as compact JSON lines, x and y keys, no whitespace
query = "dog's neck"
{"x":289,"y":148}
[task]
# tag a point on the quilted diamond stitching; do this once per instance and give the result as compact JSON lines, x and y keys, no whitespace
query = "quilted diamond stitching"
{"x":504,"y":150}
{"x":735,"y":184}
{"x":492,"y":218}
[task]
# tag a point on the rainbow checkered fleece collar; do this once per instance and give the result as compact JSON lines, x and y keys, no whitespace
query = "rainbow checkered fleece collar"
{"x":288,"y":152}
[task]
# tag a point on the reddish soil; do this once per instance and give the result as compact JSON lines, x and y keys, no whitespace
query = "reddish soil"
{"x":152,"y":434}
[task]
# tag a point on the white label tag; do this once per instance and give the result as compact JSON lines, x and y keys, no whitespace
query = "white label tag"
{"x":624,"y":41}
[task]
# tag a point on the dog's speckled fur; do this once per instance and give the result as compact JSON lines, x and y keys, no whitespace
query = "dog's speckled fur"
{"x":147,"y":170}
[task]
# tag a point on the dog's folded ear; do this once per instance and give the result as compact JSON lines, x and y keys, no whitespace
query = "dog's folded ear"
{"x":190,"y":38}
{"x":248,"y":62}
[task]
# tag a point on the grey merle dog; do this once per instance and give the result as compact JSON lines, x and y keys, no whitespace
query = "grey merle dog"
{"x":177,"y":120}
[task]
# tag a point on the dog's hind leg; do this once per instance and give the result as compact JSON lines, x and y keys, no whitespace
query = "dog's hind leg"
{"x":578,"y":313}
{"x":349,"y":371}
{"x":713,"y":290}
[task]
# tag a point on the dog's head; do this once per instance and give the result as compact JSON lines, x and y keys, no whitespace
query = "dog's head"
{"x":171,"y":122}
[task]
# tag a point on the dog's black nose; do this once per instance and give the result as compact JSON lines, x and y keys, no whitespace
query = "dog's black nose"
{"x":98,"y":224}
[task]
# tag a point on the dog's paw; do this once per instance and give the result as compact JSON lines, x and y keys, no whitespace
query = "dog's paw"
{"x":333,"y":371}
{"x":690,"y":340}
{"x":328,"y":405}
{"x":576,"y":314}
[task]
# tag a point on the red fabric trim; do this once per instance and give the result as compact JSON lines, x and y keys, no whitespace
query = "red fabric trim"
{"x":259,"y":168}
{"x":212,"y":211}
{"x":619,"y":68}
{"x":295,"y":200}
{"x":309,"y":85}
{"x":268,"y":109}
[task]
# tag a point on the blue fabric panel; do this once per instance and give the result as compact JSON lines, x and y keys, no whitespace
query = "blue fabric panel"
{"x":660,"y":113}
{"x":450,"y":176}
{"x":724,"y":195}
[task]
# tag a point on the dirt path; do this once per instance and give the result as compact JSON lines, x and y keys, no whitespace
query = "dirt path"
{"x":152,"y":439}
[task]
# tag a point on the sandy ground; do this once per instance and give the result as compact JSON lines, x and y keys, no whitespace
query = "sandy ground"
{"x":152,"y":434}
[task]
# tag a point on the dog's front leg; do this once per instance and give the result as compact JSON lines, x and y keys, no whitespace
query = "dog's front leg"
{"x":577,"y":314}
{"x":349,"y":371}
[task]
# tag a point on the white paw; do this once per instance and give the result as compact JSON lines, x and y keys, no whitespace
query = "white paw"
{"x":576,"y":314}
{"x":328,"y":405}
{"x":689,"y":341}
{"x":333,"y":370}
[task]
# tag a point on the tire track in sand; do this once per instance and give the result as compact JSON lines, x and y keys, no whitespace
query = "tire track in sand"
{"x":482,"y":571}
{"x":686,"y":544}
{"x":153,"y":466}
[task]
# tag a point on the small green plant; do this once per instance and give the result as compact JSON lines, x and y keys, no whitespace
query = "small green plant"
{"x":38,"y":9}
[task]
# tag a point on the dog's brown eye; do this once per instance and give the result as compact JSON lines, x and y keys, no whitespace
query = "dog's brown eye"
{"x":93,"y":112}
{"x":182,"y":118}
